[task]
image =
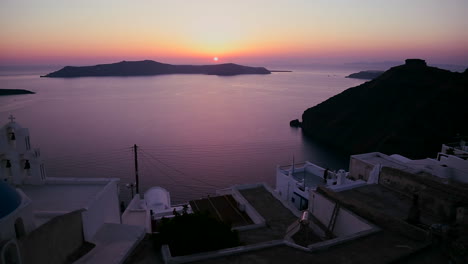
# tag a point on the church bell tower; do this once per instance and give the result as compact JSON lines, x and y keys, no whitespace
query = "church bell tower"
{"x":19,"y":163}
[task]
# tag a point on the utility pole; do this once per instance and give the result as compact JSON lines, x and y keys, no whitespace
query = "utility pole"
{"x":137,"y":180}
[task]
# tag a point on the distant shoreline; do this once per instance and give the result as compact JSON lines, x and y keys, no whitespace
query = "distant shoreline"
{"x":6,"y":92}
{"x":280,"y":71}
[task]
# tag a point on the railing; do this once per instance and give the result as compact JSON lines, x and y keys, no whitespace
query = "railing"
{"x":331,"y":224}
{"x":292,"y":229}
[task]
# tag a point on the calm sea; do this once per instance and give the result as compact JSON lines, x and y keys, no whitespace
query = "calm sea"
{"x":195,"y":133}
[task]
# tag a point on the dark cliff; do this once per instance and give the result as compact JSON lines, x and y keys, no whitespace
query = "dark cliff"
{"x":148,"y":67}
{"x":410,"y":110}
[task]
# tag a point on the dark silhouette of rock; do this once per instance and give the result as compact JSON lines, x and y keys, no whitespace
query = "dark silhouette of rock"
{"x":148,"y":67}
{"x":4,"y":92}
{"x":415,"y":63}
{"x":410,"y":109}
{"x":366,"y":75}
{"x":295,"y":123}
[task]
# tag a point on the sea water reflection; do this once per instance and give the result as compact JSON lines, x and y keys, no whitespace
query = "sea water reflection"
{"x":196,"y":133}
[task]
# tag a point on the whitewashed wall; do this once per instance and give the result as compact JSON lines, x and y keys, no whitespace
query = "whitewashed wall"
{"x":346,"y":222}
{"x":103,"y":209}
{"x":459,"y":167}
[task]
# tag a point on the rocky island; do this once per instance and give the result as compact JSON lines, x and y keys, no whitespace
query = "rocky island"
{"x":410,"y":109}
{"x":148,"y":67}
{"x":365,"y":75}
{"x":4,"y":92}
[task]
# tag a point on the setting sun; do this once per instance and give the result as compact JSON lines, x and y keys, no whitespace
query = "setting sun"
{"x":215,"y":58}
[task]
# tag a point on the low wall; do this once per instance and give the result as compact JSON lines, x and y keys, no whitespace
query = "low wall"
{"x":258,"y":220}
{"x":169,"y":259}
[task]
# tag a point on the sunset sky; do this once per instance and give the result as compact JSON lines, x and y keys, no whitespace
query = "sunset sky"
{"x":291,"y":31}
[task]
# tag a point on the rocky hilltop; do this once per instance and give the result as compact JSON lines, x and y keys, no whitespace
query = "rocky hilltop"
{"x":410,"y":109}
{"x":148,"y":67}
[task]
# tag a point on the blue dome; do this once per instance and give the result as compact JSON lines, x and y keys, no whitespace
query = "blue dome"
{"x":10,"y":199}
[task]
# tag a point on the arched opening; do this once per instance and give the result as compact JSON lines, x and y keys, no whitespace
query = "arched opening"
{"x":19,"y":228}
{"x":26,"y":167}
{"x":10,"y":253}
{"x":11,"y":137}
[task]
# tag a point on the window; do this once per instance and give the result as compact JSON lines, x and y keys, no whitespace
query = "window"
{"x":28,"y":144}
{"x":302,"y":203}
{"x":42,"y":171}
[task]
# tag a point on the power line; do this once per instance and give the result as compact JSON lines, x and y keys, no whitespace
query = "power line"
{"x":177,"y":170}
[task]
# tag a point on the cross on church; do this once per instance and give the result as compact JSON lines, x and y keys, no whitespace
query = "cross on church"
{"x":12,"y":118}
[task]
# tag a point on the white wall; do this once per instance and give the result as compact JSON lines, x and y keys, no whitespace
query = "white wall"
{"x":346,"y":222}
{"x":459,"y":167}
{"x":320,"y":207}
{"x":103,"y":209}
{"x":283,"y":185}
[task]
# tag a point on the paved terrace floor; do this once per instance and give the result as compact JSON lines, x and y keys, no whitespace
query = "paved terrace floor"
{"x":381,"y":247}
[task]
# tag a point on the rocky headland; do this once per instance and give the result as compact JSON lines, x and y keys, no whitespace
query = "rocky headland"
{"x":410,"y":109}
{"x":365,"y":75}
{"x":148,"y":67}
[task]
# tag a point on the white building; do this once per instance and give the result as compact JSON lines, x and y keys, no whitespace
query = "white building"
{"x":294,"y":182}
{"x":450,"y":165}
{"x":30,"y":199}
{"x":20,"y":164}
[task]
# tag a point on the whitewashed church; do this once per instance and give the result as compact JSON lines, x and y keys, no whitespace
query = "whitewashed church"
{"x":47,"y":220}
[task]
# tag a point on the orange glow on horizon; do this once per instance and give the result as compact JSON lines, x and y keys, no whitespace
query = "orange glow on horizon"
{"x":51,"y":31}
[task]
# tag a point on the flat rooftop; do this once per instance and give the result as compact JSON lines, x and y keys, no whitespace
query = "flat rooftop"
{"x":376,"y":158}
{"x":224,"y":208}
{"x":61,"y":197}
{"x":384,"y":246}
{"x":385,"y":200}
